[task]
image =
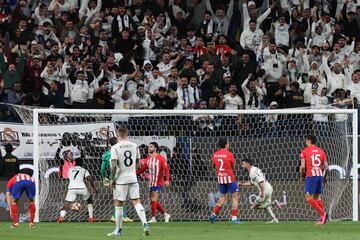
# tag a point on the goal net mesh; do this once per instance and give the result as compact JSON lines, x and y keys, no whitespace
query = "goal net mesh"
{"x":273,"y":141}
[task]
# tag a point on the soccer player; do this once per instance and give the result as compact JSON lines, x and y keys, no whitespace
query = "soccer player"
{"x":224,"y":162}
{"x":157,"y":166}
{"x":15,"y":187}
{"x":313,"y":159}
{"x":77,"y":188}
{"x":257,"y":178}
{"x":106,"y":174}
{"x":124,"y":156}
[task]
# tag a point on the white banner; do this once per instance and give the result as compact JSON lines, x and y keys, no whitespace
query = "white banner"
{"x":21,"y":137}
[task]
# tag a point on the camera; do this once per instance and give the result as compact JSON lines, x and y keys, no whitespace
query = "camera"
{"x":275,"y":65}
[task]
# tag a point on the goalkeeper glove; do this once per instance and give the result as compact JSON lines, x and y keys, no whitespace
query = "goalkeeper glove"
{"x":258,"y":200}
{"x":106,"y":182}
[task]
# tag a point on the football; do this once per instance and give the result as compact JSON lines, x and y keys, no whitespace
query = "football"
{"x":75,"y":206}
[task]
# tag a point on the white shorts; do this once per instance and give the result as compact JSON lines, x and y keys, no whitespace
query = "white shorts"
{"x":73,"y":193}
{"x":121,"y":192}
{"x":267,"y":197}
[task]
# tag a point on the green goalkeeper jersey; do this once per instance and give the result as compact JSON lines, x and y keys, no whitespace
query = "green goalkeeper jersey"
{"x":106,"y":164}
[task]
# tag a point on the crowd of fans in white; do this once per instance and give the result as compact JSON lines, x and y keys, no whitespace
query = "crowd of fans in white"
{"x":174,"y":54}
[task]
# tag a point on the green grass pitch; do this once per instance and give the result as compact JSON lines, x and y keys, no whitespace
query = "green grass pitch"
{"x":186,"y":230}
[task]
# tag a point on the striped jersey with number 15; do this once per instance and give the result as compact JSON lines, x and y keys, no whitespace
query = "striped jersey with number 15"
{"x":314,"y":159}
{"x":224,"y":163}
{"x":126,"y":154}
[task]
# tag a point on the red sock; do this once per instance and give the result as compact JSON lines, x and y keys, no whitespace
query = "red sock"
{"x":315,"y":205}
{"x":14,"y":212}
{"x":32,"y":212}
{"x":153,"y":208}
{"x":321,"y":204}
{"x":235,"y":213}
{"x":216,"y":209}
{"x":160,"y":208}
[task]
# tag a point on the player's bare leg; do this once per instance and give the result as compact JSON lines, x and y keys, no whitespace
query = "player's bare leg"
{"x":217,"y":208}
{"x":141,"y":213}
{"x":118,"y":218}
{"x":312,"y":199}
{"x":32,"y":210}
{"x":66,"y":207}
{"x":235,"y":207}
{"x":90,"y":207}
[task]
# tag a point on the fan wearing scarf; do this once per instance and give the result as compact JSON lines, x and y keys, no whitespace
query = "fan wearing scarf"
{"x":253,"y":92}
{"x":121,"y":21}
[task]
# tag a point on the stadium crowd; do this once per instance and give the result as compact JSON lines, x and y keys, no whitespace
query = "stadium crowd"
{"x":179,"y":54}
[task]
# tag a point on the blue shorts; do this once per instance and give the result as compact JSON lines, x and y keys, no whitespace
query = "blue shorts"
{"x":21,"y":186}
{"x":228,"y":188}
{"x":155,"y":189}
{"x":314,"y":185}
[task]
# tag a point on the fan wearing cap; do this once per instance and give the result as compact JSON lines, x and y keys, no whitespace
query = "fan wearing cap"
{"x":250,"y":12}
{"x":9,"y":164}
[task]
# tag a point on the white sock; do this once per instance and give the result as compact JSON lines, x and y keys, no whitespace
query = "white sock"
{"x":62,"y":213}
{"x":140,"y":212}
{"x":270,"y":212}
{"x":91,"y":210}
{"x":118,"y":217}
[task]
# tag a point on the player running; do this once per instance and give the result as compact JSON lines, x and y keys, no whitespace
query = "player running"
{"x":224,"y":162}
{"x":124,"y":155}
{"x":257,"y":178}
{"x":77,"y":188}
{"x":313,"y":159}
{"x":106,"y":175}
{"x":156,"y":164}
{"x":15,"y":187}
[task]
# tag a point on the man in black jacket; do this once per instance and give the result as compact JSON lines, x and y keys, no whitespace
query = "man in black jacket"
{"x":163,"y":101}
{"x":9,"y":164}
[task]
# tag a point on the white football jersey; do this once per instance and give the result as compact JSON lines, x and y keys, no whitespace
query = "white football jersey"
{"x":256,"y":177}
{"x":126,"y":153}
{"x":77,"y":175}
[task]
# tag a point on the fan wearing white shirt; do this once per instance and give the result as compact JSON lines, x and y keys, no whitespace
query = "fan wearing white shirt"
{"x":335,"y":78}
{"x":232,"y":100}
{"x":142,"y":100}
{"x":354,"y":86}
{"x":281,"y":32}
{"x":153,"y":82}
{"x":251,"y":37}
{"x":320,"y":102}
{"x":257,"y":178}
{"x":254,"y":93}
{"x":166,"y":64}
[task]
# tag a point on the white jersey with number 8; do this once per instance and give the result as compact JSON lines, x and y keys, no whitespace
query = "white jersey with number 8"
{"x":126,"y":154}
{"x":77,"y":175}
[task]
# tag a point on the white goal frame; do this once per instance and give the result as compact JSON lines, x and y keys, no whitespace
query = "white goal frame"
{"x":352,"y":112}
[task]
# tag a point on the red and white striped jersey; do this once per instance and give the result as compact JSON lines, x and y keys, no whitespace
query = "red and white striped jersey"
{"x":224,"y":163}
{"x":17,"y":178}
{"x":314,"y":160}
{"x":157,"y":166}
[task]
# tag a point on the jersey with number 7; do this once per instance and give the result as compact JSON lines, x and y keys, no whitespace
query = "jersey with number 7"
{"x":224,"y":163}
{"x":314,"y":160}
{"x":126,"y":154}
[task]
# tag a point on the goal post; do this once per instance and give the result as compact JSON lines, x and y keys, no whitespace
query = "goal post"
{"x":273,"y":138}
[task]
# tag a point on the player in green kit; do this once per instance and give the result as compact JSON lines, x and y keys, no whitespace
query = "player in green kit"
{"x":106,"y":174}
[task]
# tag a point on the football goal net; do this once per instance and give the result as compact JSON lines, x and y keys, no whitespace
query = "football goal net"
{"x":187,"y":139}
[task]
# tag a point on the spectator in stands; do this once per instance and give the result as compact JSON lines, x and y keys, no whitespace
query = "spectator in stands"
{"x":254,"y":93}
{"x":162,"y":100}
{"x":9,"y":164}
{"x":142,"y":100}
{"x":232,"y":100}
